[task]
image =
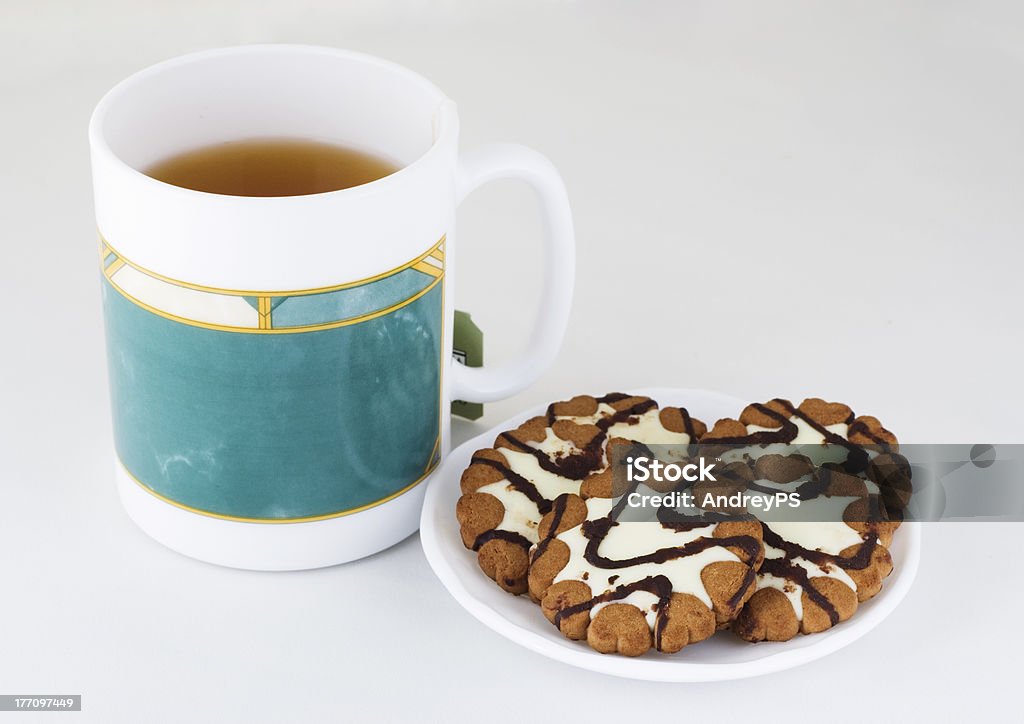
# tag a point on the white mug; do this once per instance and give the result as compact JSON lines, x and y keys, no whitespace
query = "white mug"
{"x":281,"y":368}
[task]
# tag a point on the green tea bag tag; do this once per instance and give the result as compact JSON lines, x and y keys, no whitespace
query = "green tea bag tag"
{"x":467,"y":349}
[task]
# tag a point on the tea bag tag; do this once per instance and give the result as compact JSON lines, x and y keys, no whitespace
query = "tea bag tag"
{"x":467,"y":349}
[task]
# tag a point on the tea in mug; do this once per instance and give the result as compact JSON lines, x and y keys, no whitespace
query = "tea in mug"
{"x":271,"y":167}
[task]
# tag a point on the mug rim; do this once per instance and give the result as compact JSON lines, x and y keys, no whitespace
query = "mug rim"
{"x":445,"y":114}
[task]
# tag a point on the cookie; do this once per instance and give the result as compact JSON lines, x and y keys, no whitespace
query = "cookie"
{"x":629,"y":586}
{"x":509,"y":487}
{"x":777,"y":425}
{"x":815,"y":574}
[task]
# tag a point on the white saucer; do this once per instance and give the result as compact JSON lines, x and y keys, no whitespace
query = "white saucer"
{"x":722,"y":657}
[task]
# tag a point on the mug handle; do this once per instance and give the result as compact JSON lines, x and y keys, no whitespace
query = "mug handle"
{"x":512,"y":161}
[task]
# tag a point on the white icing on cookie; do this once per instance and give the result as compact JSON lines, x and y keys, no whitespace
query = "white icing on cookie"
{"x":827,"y":537}
{"x":647,"y":428}
{"x":831,"y":535}
{"x":646,"y":602}
{"x":604,"y":410}
{"x":824,"y":508}
{"x":806,"y":435}
{"x":792,"y":590}
{"x":629,"y":540}
{"x":553,"y":445}
{"x":521,"y":514}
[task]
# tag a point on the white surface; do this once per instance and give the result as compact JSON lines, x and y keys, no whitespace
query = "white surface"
{"x":873,"y":147}
{"x":722,"y":658}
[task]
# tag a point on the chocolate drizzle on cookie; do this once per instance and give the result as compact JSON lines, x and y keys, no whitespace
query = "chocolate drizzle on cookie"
{"x":505,"y":535}
{"x":659,"y":585}
{"x":820,"y":484}
{"x":558,"y":508}
{"x":785,"y":567}
{"x":851,"y":478}
{"x":859,"y":427}
{"x":517,"y":481}
{"x":857,"y":457}
{"x":508,"y":489}
{"x":597,"y":530}
{"x":575,"y":466}
{"x":591,"y":458}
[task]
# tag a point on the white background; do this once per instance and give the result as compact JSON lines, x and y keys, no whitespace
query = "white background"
{"x":786,"y":198}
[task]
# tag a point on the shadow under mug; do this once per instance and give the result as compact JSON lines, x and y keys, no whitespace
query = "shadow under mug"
{"x":281,"y":367}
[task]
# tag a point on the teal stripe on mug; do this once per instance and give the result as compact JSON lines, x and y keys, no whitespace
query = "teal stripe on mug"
{"x":275,"y":427}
